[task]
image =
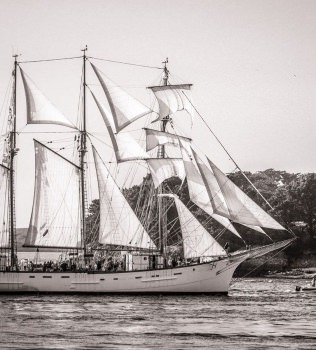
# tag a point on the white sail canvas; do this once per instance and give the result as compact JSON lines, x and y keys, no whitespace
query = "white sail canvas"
{"x":197,"y":242}
{"x":197,"y":188}
{"x":56,"y":215}
{"x":242,"y":209}
{"x":173,"y":98}
{"x":212,"y":187}
{"x":118,"y":223}
{"x":162,"y":169}
{"x":125,"y":147}
{"x":125,"y":108}
{"x":155,"y":138}
{"x":39,"y":109}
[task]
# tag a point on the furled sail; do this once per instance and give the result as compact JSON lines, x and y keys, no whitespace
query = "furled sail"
{"x":125,"y":108}
{"x":155,"y":138}
{"x":118,"y":223}
{"x":173,"y":98}
{"x":197,"y":242}
{"x":164,"y":168}
{"x":197,"y":188}
{"x":241,"y":208}
{"x":55,"y":220}
{"x":4,"y":207}
{"x":125,"y":147}
{"x":39,"y":109}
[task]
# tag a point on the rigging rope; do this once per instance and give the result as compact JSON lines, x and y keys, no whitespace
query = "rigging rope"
{"x":51,"y":59}
{"x":232,"y":159}
{"x":255,"y":268}
{"x":126,"y":63}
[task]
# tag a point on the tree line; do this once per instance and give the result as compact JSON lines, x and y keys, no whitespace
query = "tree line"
{"x":292,"y":197}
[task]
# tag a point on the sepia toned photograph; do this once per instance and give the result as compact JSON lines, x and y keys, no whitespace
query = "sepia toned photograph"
{"x":157,"y":174}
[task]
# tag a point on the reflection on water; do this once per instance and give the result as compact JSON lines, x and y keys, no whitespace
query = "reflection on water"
{"x":257,"y":314}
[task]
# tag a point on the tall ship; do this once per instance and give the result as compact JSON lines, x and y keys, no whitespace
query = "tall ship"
{"x":154,"y":243}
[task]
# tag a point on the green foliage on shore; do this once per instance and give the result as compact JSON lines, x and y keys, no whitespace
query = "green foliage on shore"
{"x":292,"y":196}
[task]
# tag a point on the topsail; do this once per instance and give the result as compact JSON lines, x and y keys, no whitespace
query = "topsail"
{"x":125,"y":108}
{"x":125,"y":147}
{"x":39,"y":109}
{"x":173,"y":98}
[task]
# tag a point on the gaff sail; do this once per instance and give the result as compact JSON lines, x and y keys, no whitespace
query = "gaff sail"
{"x":56,"y":214}
{"x":39,"y":109}
{"x":118,"y":223}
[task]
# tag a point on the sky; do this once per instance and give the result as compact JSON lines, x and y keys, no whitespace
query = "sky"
{"x":252,"y":64}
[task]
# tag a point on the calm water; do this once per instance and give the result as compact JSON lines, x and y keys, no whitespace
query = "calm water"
{"x":257,"y":314}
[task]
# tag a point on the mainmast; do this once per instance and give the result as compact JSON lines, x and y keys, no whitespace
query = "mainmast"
{"x":11,"y":176}
{"x":83,"y":150}
{"x":161,"y":154}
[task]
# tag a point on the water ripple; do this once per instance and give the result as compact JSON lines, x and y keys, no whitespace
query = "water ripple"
{"x":257,"y":314}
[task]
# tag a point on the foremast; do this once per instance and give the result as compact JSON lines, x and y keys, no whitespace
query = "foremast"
{"x":12,"y":153}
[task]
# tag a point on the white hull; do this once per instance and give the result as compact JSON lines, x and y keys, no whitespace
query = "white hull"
{"x":211,"y":277}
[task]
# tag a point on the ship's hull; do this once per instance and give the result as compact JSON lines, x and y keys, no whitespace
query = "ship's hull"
{"x":213,"y":277}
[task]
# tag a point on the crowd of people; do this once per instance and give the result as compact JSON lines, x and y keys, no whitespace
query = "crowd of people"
{"x":105,"y":263}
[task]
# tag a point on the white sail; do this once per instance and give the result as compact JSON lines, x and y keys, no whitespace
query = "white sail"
{"x":197,"y":242}
{"x":241,"y":208}
{"x":197,"y":188}
{"x":55,"y":219}
{"x":39,"y":109}
{"x":164,"y":168}
{"x":214,"y":191}
{"x":4,"y":207}
{"x":173,"y":98}
{"x":125,"y":108}
{"x":118,"y":223}
{"x":129,"y":148}
{"x":125,"y":147}
{"x":155,"y":138}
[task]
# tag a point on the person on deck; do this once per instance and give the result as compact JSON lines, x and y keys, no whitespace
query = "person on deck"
{"x":227,"y":248}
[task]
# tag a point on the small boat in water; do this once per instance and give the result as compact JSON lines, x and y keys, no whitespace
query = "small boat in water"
{"x":305,"y":289}
{"x":308,"y":288}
